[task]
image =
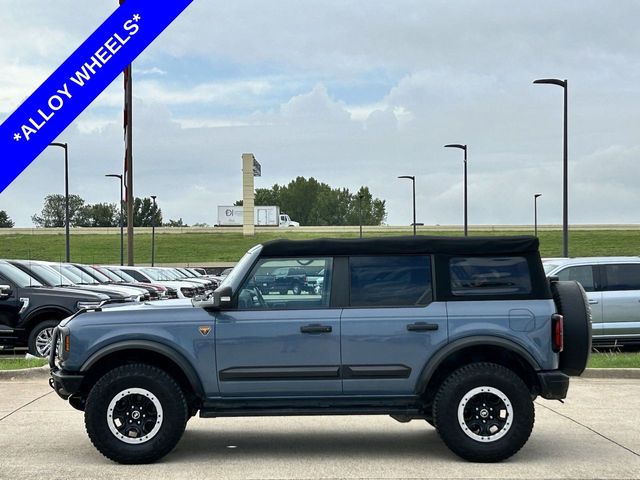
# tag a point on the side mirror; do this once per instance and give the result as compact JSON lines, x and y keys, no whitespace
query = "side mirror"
{"x":5,"y":291}
{"x":220,"y":300}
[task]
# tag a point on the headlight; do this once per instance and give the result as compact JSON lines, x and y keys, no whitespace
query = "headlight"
{"x":187,"y":292}
{"x":80,"y":305}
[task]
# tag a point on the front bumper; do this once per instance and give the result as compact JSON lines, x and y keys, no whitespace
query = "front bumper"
{"x":553,"y":384}
{"x":65,"y":384}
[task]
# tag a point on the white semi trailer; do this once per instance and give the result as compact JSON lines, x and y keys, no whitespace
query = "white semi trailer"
{"x":263,"y":216}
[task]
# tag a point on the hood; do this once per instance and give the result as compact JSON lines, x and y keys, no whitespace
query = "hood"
{"x":111,"y":293}
{"x":166,"y":311}
{"x":61,"y":292}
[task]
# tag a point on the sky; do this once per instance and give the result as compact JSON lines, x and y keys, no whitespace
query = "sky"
{"x":351,"y":93}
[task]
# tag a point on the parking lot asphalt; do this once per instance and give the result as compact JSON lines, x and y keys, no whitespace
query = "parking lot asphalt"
{"x":595,"y":434}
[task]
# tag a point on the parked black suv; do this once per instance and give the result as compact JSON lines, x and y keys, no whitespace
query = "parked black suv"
{"x":282,"y":280}
{"x":29,"y":311}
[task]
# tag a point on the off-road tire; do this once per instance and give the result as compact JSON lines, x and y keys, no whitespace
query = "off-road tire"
{"x":136,"y":376}
{"x":457,"y":387}
{"x":35,"y":332}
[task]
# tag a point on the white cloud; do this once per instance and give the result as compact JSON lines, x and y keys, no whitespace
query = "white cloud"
{"x":352,"y":93}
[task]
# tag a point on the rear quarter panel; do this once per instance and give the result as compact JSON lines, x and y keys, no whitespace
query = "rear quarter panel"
{"x":526,"y":323}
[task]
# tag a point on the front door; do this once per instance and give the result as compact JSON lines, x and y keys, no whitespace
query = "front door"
{"x":278,"y":343}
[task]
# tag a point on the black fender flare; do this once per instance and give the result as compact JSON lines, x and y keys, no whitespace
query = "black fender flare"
{"x":152,"y":346}
{"x":44,"y":309}
{"x":441,"y":355}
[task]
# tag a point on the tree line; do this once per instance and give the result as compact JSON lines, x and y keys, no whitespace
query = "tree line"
{"x":81,"y":214}
{"x":311,"y":202}
{"x":307,"y":201}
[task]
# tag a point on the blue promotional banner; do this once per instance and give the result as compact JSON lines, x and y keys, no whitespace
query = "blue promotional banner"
{"x":79,"y":80}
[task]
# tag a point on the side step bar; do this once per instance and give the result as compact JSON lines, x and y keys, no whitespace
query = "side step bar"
{"x":274,"y":412}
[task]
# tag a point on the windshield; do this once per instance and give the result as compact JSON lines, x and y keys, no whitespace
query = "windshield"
{"x":235,"y":276}
{"x":173,"y":273}
{"x":17,"y":276}
{"x":70,"y":276}
{"x":107,"y":273}
{"x":49,"y":275}
{"x":156,"y":274}
{"x":123,"y":275}
{"x":98,"y":274}
{"x":548,"y":267}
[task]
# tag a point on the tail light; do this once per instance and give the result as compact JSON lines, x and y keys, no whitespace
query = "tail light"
{"x":557,"y":332}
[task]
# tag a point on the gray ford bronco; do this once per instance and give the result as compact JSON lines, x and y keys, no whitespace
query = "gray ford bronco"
{"x":462,"y":333}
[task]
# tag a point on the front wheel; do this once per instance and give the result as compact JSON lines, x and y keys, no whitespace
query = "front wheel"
{"x":484,"y":412}
{"x":135,"y":414}
{"x":39,"y":342}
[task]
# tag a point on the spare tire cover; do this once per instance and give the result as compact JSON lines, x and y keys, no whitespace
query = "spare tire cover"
{"x":572,"y":304}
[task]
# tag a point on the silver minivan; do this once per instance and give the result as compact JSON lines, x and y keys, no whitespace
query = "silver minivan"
{"x":613,"y":289}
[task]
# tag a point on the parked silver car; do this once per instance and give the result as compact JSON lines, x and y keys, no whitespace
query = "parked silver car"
{"x":613,"y":289}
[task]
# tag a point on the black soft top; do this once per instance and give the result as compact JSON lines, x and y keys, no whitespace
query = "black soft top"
{"x":402,"y":245}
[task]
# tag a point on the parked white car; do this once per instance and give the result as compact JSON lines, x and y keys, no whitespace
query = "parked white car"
{"x":151,"y":275}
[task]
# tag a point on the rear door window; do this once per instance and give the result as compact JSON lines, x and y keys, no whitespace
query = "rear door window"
{"x":622,"y":277}
{"x":386,"y":281}
{"x":491,"y":276}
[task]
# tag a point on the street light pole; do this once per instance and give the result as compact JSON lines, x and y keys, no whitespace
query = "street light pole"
{"x":115,"y":175}
{"x":413,"y":179}
{"x":463,"y":147}
{"x":535,"y":212}
{"x":66,"y":195}
{"x":360,"y":212}
{"x":565,"y":165}
{"x":153,"y":231}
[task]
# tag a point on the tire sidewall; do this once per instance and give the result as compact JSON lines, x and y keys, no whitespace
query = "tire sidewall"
{"x":165,"y":390}
{"x":446,"y":413}
{"x":573,"y":305}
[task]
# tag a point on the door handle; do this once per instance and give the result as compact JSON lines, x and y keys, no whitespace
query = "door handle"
{"x":422,"y":327}
{"x":595,"y":302}
{"x":316,"y":328}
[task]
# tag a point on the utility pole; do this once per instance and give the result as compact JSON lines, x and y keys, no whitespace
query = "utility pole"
{"x":128,"y":159}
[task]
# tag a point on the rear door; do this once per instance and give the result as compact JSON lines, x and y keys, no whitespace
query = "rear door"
{"x":392,"y":326}
{"x":280,"y":344}
{"x":621,"y":300}
{"x":589,"y":277}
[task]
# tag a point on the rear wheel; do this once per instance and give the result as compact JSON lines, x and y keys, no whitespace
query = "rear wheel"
{"x":135,"y":414}
{"x":484,"y":412}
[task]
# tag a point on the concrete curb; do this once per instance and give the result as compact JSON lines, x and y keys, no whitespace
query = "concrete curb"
{"x":25,"y":373}
{"x":614,"y":373}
